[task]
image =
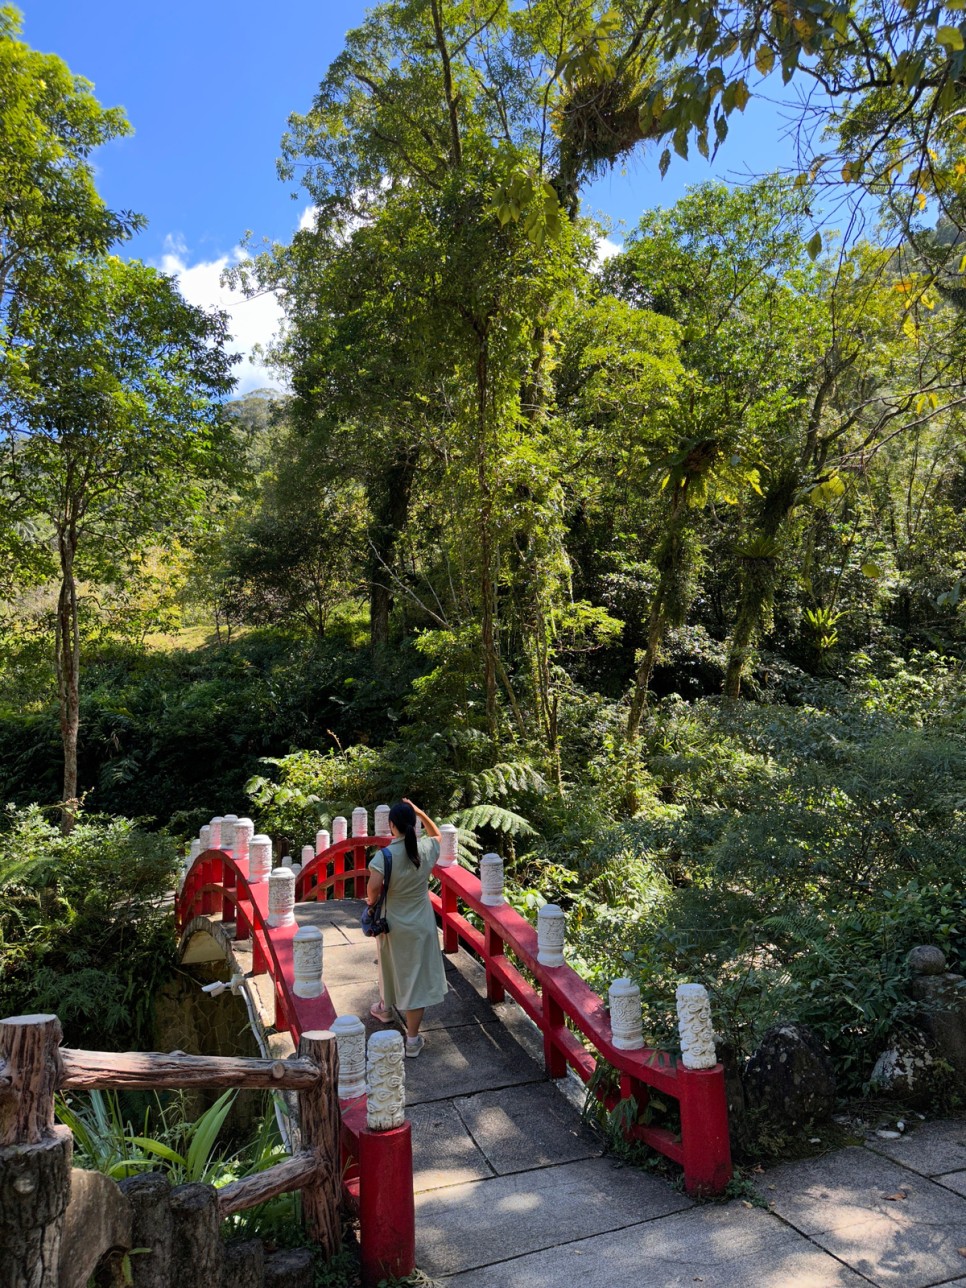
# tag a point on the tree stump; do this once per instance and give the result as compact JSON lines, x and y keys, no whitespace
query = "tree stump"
{"x":34,"y":1193}
{"x":293,"y":1268}
{"x":150,"y":1198}
{"x":244,"y":1264}
{"x":35,"y":1155}
{"x":197,"y":1250}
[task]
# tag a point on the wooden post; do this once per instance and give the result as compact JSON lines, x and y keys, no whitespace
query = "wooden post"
{"x":321,"y":1126}
{"x":34,"y":1154}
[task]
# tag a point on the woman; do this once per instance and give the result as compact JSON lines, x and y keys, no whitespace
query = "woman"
{"x":411,"y":964}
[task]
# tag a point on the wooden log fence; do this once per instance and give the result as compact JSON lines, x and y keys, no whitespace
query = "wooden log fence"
{"x":35,"y":1152}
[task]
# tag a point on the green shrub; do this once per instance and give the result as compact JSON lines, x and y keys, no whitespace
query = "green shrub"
{"x":86,"y":927}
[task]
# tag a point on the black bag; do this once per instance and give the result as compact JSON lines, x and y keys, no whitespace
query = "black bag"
{"x":373,"y":920}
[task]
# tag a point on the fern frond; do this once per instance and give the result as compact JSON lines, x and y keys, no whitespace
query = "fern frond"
{"x":496,"y":817}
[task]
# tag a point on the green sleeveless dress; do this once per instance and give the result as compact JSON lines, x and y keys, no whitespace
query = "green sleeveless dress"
{"x":410,"y":960}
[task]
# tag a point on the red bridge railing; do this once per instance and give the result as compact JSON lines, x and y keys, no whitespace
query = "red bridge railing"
{"x":572,"y":1018}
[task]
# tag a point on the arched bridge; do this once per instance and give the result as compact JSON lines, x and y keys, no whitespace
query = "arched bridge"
{"x":503,"y":1164}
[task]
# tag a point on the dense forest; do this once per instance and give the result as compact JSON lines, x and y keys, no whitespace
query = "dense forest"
{"x":646,"y":570}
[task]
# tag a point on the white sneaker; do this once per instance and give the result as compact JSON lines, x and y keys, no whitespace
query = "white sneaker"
{"x":415,"y":1045}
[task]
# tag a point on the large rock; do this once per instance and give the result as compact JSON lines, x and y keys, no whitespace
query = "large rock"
{"x":790,"y":1077}
{"x":905,"y":1068}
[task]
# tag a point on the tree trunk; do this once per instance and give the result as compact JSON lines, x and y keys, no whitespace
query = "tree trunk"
{"x":389,"y":502}
{"x":67,"y":658}
{"x":487,"y":578}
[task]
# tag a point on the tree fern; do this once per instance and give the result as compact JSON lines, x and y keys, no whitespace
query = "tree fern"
{"x":493,"y":816}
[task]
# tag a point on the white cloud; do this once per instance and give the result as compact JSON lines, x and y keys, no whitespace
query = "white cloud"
{"x":307,"y":219}
{"x":250,"y":322}
{"x":606,"y":249}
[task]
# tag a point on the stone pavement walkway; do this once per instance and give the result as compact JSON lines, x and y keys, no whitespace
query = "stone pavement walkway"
{"x":512,"y":1190}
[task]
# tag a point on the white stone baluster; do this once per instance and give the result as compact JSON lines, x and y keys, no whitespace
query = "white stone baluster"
{"x":694,"y":1027}
{"x":228,"y":833}
{"x":360,"y":821}
{"x":244,"y":831}
{"x":419,"y":827}
{"x":322,"y":841}
{"x":381,"y":823}
{"x":259,"y":858}
{"x":385,"y":1081}
{"x":491,"y":882}
{"x":447,"y":846}
{"x":307,"y":950}
{"x":308,"y":854}
{"x":625,"y":1015}
{"x":204,"y":837}
{"x":214,"y":836}
{"x":286,"y":861}
{"x":281,"y":897}
{"x":350,"y":1038}
{"x":340,"y":829}
{"x":551,"y":932}
{"x":295,"y":869}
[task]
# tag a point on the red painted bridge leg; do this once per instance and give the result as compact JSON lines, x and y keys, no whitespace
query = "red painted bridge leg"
{"x":387,"y":1210}
{"x":555,"y":1062}
{"x":451,"y":940}
{"x":704,"y":1130}
{"x":493,"y":947}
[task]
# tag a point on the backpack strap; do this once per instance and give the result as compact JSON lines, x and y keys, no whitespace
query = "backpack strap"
{"x":387,"y":855}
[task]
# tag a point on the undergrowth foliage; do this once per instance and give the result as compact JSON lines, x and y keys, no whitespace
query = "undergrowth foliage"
{"x":86,"y":925}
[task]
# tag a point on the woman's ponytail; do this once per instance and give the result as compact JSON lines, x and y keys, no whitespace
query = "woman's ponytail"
{"x":403,"y":817}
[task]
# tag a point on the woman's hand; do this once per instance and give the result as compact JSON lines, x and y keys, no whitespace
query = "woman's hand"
{"x":432,"y":831}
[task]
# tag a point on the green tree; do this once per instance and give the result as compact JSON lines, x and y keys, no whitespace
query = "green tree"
{"x":111,"y":425}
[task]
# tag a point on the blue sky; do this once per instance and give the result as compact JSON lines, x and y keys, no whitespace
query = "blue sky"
{"x":208,"y":87}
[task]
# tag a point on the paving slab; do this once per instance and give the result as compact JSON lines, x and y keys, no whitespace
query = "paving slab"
{"x":931,"y":1149}
{"x":339,"y":915}
{"x":464,"y":1227}
{"x":444,"y":1152}
{"x":520,"y":1128}
{"x":715,"y":1247}
{"x":890,"y":1224}
{"x":953,"y":1181}
{"x":462,"y":1061}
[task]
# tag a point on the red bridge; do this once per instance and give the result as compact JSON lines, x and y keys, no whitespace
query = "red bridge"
{"x":493,"y":952}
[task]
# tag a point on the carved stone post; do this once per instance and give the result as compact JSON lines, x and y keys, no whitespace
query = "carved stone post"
{"x":307,"y":946}
{"x":286,"y":861}
{"x":350,"y":1035}
{"x":694,"y":1026}
{"x":340,"y":829}
{"x":551,"y":932}
{"x":447,"y":846}
{"x":381,"y":823}
{"x":244,"y":831}
{"x":625,"y":1015}
{"x":281,"y":897}
{"x":259,"y":859}
{"x":491,"y":881}
{"x":322,"y":841}
{"x":385,"y":1081}
{"x":214,"y":835}
{"x":228,"y":833}
{"x":387,"y":1225}
{"x":204,"y":836}
{"x":34,"y":1154}
{"x":308,"y":854}
{"x":360,"y":821}
{"x":321,"y":1125}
